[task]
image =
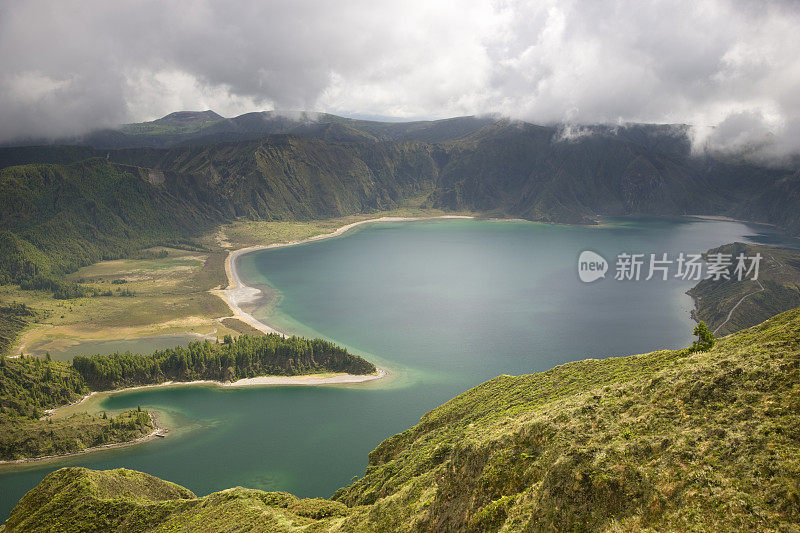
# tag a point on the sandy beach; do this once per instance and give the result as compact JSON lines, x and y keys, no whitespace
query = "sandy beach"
{"x":328,"y":378}
{"x":730,"y":219}
{"x":234,"y":295}
{"x":238,"y":293}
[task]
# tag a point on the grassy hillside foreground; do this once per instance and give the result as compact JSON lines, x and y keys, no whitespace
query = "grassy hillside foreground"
{"x":668,"y":441}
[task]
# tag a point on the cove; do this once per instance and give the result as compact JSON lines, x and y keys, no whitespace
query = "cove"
{"x":444,"y":305}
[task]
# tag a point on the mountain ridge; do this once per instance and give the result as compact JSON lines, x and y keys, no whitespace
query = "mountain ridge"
{"x":499,"y":169}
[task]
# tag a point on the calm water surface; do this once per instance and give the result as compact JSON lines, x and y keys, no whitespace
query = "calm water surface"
{"x":444,"y":305}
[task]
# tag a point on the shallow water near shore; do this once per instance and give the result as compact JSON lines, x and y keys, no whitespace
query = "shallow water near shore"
{"x":444,"y":305}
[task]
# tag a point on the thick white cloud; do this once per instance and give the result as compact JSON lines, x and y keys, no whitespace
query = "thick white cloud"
{"x":729,"y":67}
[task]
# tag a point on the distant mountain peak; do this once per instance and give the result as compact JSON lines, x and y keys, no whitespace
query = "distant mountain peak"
{"x":177,"y":123}
{"x":182,"y":118}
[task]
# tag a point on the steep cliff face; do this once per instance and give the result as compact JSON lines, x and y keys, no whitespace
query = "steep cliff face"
{"x":127,"y":198}
{"x":729,"y":305}
{"x":55,"y":218}
{"x":535,"y":172}
{"x":776,"y":202}
{"x":295,"y":178}
{"x":642,"y":186}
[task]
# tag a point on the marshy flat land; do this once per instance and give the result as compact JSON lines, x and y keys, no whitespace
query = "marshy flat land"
{"x":162,"y":294}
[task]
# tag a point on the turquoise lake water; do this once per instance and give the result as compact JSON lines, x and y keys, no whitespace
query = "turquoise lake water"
{"x":444,"y":305}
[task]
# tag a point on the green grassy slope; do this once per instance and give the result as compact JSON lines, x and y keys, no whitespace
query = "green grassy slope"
{"x":662,"y":440}
{"x":665,"y":441}
{"x":747,"y":301}
{"x":125,"y":500}
{"x":56,"y":218}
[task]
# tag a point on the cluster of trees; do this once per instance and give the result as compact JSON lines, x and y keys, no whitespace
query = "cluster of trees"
{"x":150,"y":254}
{"x":28,"y":385}
{"x":227,"y":361}
{"x":109,"y":292}
{"x":27,"y":437}
{"x":67,"y":290}
{"x":62,"y":290}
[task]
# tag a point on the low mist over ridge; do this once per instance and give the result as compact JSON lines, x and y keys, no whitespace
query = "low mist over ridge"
{"x":727,"y":66}
{"x":178,"y":176}
{"x":208,"y":127}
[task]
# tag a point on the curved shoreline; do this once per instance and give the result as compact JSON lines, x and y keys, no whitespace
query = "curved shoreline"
{"x":328,"y":378}
{"x":237,"y":292}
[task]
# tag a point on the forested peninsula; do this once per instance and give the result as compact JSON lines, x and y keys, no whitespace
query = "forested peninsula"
{"x":30,"y":386}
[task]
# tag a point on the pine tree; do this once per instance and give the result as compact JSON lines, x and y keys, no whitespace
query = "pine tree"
{"x":705,"y":339}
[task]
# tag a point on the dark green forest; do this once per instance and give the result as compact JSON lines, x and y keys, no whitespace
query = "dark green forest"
{"x":56,"y":218}
{"x":244,"y":357}
{"x":29,"y":385}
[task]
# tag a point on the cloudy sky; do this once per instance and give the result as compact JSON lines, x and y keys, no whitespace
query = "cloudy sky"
{"x":729,"y":67}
